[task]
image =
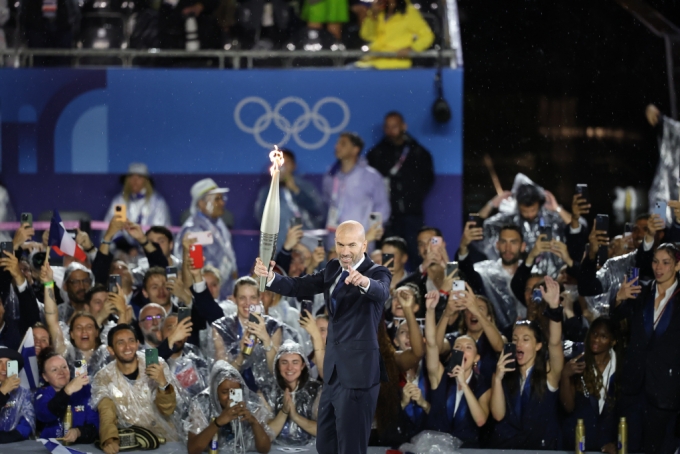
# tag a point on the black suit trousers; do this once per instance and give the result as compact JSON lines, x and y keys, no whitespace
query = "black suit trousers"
{"x":345,"y":417}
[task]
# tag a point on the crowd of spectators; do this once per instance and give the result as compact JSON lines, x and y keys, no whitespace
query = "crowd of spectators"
{"x":539,"y":317}
{"x":383,"y":25}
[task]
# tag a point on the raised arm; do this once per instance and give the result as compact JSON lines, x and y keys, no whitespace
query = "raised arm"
{"x":51,"y":313}
{"x":410,"y":358}
{"x":449,"y":317}
{"x":551,"y":295}
{"x":492,"y":334}
{"x":435,"y":369}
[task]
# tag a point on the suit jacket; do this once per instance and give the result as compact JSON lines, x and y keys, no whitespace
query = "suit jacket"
{"x":652,"y":361}
{"x":352,"y":342}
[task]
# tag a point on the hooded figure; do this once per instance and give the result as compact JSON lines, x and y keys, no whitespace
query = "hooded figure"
{"x":236,"y":436}
{"x":17,"y":415}
{"x":305,"y":397}
{"x":509,"y":213}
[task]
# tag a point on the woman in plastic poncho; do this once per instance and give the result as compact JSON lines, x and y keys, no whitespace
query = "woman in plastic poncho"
{"x":17,"y":417}
{"x":295,"y":401}
{"x":240,"y":426}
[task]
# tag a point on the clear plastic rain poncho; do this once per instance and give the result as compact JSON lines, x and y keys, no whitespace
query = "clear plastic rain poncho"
{"x":19,"y":404}
{"x":665,"y":184}
{"x":611,"y":276}
{"x":546,"y":263}
{"x":227,"y":344}
{"x":135,"y":399}
{"x":306,"y":398}
{"x":207,"y":405}
{"x":496,"y":281}
{"x":191,"y":370}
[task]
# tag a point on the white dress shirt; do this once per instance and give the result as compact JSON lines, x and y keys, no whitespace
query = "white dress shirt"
{"x":659,"y":310}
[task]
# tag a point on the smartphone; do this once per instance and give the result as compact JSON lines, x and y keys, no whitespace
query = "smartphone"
{"x":297,"y":220}
{"x":602,"y":222}
{"x":306,"y":305}
{"x":387,"y":258}
{"x":456,"y":359}
{"x":458,"y":286}
{"x":660,"y":208}
{"x":512,"y":349}
{"x":633,"y":273}
{"x":577,"y":349}
{"x":196,"y":253}
{"x":182,"y":313}
{"x":547,"y":231}
{"x":436,"y":240}
{"x":12,"y":368}
{"x":113,"y":280}
{"x":582,"y":190}
{"x":202,"y":238}
{"x":235,"y":396}
{"x":151,"y":355}
{"x":85,"y":226}
{"x":319,"y":242}
{"x":27,"y":218}
{"x":6,"y":246}
{"x":536,"y":295}
{"x":171,"y":272}
{"x":375,"y":218}
{"x":80,"y":367}
{"x":451,"y":268}
{"x":477,"y":219}
{"x":120,"y":213}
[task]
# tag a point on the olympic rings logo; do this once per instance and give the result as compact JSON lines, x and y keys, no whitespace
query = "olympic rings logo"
{"x":297,"y":126}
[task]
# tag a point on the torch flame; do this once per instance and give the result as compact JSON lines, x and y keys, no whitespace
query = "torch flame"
{"x":276,"y":157}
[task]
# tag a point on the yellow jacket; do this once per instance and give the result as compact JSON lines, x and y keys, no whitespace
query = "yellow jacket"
{"x":400,"y":31}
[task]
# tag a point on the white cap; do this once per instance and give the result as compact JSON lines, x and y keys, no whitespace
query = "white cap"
{"x":204,"y":187}
{"x":138,"y":168}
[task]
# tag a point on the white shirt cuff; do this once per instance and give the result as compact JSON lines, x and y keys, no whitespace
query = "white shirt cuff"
{"x":200,"y":286}
{"x":647,"y":246}
{"x":269,"y":282}
{"x":23,"y":286}
{"x":365,"y":289}
{"x":576,"y":230}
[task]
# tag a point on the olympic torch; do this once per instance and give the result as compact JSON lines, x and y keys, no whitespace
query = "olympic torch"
{"x":269,"y":229}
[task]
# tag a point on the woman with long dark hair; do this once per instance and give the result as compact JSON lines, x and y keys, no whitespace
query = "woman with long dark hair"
{"x":525,"y":388}
{"x":459,"y":400}
{"x":650,"y":376}
{"x":588,"y":389}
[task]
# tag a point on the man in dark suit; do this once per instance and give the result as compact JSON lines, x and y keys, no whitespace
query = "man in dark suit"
{"x":355,"y":290}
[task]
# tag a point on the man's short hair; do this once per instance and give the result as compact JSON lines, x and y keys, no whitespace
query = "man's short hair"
{"x":98,"y":288}
{"x":354,"y":139}
{"x":161,"y":230}
{"x":427,"y":228}
{"x":394,"y":113}
{"x":153,"y":271}
{"x":643,"y":217}
{"x":514,"y":228}
{"x":396,"y":242}
{"x":289,"y":153}
{"x":528,"y":194}
{"x":245,"y":280}
{"x":117,"y":328}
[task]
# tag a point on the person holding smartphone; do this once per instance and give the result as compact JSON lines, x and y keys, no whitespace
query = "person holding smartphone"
{"x":60,"y":391}
{"x":649,"y":387}
{"x":294,"y":400}
{"x":17,"y":414}
{"x":459,"y":398}
{"x":524,"y":392}
{"x":588,"y":388}
{"x":213,"y":412}
{"x":132,"y":391}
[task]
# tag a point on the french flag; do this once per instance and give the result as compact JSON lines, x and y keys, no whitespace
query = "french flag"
{"x":61,"y":242}
{"x":57,"y":448}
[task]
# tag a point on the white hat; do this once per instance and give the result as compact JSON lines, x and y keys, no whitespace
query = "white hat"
{"x":204,"y":187}
{"x":138,"y":168}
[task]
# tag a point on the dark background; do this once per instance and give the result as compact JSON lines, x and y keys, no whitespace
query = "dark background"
{"x":537,"y":74}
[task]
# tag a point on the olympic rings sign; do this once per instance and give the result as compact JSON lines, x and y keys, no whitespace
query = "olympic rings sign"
{"x":297,"y":126}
